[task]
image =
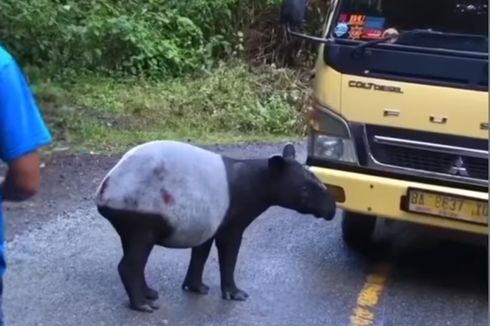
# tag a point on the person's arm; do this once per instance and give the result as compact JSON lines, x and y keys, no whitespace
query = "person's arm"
{"x":22,"y":133}
{"x":23,"y":178}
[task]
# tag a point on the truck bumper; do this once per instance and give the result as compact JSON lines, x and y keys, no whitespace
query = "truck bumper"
{"x":384,"y":197}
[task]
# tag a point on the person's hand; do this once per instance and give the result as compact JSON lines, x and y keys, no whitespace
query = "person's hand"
{"x":23,"y":178}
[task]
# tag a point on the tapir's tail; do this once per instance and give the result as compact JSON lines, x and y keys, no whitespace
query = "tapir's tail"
{"x":100,"y":191}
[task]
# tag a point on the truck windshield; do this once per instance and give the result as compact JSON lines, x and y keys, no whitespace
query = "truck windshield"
{"x":460,"y":24}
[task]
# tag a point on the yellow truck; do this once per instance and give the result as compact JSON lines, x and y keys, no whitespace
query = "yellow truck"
{"x":398,"y":127}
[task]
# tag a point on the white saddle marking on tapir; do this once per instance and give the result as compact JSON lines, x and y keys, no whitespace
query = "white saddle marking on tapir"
{"x":194,"y":180}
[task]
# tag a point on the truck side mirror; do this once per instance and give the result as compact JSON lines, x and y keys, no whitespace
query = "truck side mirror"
{"x":293,"y":13}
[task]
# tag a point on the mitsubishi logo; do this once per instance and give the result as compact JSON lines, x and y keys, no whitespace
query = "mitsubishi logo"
{"x":458,"y":168}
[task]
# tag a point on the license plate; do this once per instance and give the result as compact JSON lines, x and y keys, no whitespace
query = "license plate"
{"x":449,"y":206}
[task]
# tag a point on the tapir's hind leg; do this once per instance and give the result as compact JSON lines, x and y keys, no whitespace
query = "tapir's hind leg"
{"x":137,"y":247}
{"x":138,"y":233}
{"x":150,"y":293}
{"x":193,"y":279}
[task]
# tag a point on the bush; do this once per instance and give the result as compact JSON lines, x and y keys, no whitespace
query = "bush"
{"x":152,"y":37}
{"x":231,"y":103}
{"x":145,"y":37}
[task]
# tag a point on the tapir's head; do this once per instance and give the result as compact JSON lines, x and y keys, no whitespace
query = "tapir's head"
{"x":295,"y":187}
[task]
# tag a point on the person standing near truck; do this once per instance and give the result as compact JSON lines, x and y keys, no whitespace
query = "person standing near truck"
{"x":22,"y":133}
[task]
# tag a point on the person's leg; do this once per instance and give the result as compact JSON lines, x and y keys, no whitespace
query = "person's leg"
{"x":1,"y":303}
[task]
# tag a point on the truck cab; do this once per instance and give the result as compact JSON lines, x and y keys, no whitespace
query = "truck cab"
{"x":398,"y":126}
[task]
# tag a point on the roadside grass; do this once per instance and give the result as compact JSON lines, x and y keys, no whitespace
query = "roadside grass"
{"x":231,"y":104}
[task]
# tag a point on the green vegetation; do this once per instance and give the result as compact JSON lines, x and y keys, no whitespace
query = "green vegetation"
{"x":229,"y":104}
{"x":109,"y":74}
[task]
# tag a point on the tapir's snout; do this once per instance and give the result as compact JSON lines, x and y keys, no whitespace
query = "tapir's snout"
{"x":329,"y":215}
{"x":327,"y":207}
{"x":326,"y":214}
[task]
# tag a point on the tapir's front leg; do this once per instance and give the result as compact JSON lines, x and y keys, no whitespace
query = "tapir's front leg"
{"x":228,"y":244}
{"x":193,"y":279}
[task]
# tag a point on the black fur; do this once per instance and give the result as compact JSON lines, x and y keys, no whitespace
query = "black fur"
{"x":255,"y":185}
{"x":138,"y":233}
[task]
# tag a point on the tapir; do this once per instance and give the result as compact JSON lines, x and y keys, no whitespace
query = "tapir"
{"x":178,"y":195}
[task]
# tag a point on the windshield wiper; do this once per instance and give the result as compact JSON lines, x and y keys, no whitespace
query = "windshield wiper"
{"x":359,"y":50}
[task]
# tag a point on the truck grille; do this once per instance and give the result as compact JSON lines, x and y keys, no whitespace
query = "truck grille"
{"x":424,"y":160}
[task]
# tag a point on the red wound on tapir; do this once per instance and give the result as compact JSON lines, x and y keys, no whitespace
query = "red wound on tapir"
{"x":167,"y":198}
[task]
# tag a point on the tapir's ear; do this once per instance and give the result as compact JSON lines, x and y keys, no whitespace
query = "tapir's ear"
{"x":289,"y":151}
{"x":276,"y":163}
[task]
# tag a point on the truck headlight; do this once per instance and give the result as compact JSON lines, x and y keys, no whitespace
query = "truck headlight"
{"x":333,"y":148}
{"x":330,"y":137}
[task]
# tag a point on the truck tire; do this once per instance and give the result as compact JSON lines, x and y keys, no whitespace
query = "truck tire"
{"x":357,"y":229}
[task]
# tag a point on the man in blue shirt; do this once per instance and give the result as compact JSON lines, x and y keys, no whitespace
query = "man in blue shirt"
{"x":22,"y":133}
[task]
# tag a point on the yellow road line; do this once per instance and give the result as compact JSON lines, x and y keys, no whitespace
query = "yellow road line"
{"x":364,"y":312}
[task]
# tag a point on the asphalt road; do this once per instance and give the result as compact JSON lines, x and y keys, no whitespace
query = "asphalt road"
{"x":62,"y":260}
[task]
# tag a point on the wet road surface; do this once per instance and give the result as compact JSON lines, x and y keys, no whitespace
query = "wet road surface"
{"x":62,"y":260}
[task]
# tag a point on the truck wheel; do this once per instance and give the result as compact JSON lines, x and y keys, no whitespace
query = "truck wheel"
{"x":357,"y":229}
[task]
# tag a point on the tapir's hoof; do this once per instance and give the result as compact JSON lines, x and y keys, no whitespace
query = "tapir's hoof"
{"x":154,"y":305}
{"x":199,"y":288}
{"x":145,"y":307}
{"x":151,"y":294}
{"x":235,"y":294}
